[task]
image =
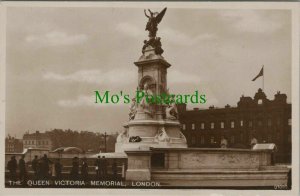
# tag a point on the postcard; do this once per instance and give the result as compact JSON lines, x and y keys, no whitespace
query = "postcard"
{"x":150,"y":98}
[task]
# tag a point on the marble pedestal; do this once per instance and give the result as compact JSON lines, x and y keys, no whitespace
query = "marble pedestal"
{"x":139,"y":167}
{"x":153,"y":133}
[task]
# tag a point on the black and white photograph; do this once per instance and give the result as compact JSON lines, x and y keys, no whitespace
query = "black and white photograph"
{"x":147,"y":95}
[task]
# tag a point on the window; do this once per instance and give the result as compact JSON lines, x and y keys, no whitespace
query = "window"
{"x":259,"y":102}
{"x":232,"y":139}
{"x":183,"y":127}
{"x":202,"y":139}
{"x":289,"y":121}
{"x":232,"y":124}
{"x":222,"y":125}
{"x":259,"y":123}
{"x":278,"y":136}
{"x":269,"y":138}
{"x":202,"y":126}
{"x":193,"y":140}
{"x":269,"y":122}
{"x":250,"y":123}
{"x":242,"y":123}
{"x":242,"y":137}
{"x":212,"y":139}
{"x":193,"y":126}
{"x":212,"y":125}
{"x":278,"y":121}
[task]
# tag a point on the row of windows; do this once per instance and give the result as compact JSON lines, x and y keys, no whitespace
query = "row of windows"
{"x":212,"y":125}
{"x":212,"y":140}
{"x":37,"y":142}
{"x":232,"y":124}
{"x":10,"y":149}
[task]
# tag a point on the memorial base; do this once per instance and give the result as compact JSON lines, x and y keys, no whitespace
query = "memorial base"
{"x":139,"y":167}
{"x":138,"y":175}
{"x":196,"y":167}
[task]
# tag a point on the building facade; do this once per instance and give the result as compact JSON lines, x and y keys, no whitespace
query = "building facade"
{"x":37,"y":140}
{"x":13,"y":145}
{"x":269,"y":121}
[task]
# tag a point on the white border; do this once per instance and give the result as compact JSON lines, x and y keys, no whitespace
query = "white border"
{"x":293,"y":6}
{"x":2,"y":89}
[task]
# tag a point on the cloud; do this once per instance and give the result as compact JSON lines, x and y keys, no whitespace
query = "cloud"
{"x":56,"y":38}
{"x":112,"y":77}
{"x":174,"y":36}
{"x":177,"y":77}
{"x":86,"y":101}
{"x":252,"y":21}
{"x":129,"y":29}
{"x":181,"y":38}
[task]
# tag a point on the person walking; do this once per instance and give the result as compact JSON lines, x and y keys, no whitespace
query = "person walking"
{"x":114,"y":169}
{"x":75,"y":169}
{"x":84,"y":169}
{"x":104,"y":167}
{"x":39,"y":168}
{"x":22,"y":170}
{"x":58,"y":169}
{"x":45,"y":167}
{"x":34,"y":165}
{"x":12,"y":168}
{"x":98,"y":167}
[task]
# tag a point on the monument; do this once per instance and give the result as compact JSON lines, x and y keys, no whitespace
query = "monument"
{"x":157,"y":150}
{"x":152,"y":124}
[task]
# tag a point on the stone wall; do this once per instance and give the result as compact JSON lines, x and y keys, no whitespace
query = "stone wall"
{"x":200,"y":167}
{"x":214,"y":158}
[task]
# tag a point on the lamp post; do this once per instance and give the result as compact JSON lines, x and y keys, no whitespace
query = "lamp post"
{"x":105,"y":141}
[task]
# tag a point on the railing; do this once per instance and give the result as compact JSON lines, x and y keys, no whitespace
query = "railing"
{"x":176,"y":140}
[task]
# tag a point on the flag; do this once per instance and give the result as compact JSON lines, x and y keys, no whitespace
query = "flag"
{"x":261,"y":73}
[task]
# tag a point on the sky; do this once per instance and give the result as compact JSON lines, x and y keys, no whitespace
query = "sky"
{"x":57,"y":57}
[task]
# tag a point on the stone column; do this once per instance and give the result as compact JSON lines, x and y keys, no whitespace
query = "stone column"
{"x":139,"y":165}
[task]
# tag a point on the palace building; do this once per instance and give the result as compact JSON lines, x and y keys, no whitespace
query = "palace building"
{"x":13,"y":145}
{"x":269,"y":121}
{"x":37,"y":140}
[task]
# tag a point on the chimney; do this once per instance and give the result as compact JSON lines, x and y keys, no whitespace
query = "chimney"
{"x":181,"y":108}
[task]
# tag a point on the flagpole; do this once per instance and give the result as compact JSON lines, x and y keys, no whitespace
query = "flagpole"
{"x":263,"y":86}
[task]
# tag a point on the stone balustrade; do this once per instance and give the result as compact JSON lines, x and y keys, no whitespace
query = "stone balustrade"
{"x":202,"y":166}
